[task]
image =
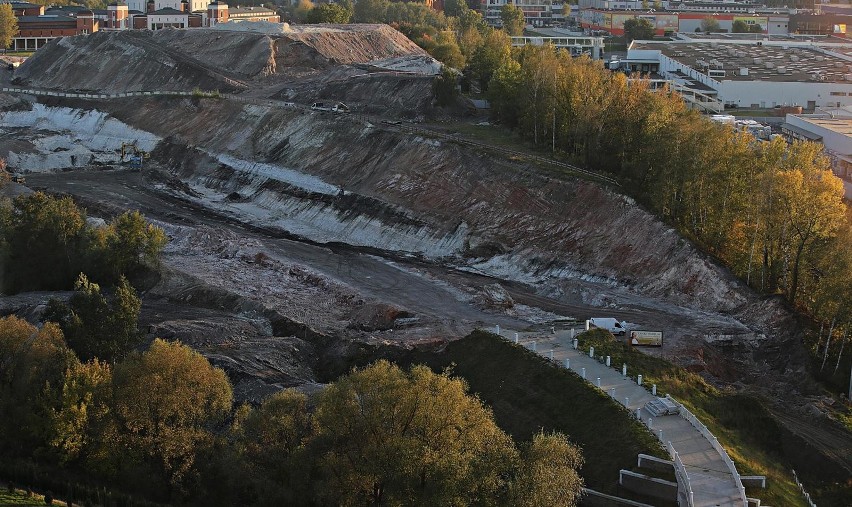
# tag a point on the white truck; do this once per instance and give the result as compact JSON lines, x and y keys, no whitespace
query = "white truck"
{"x":612,"y":325}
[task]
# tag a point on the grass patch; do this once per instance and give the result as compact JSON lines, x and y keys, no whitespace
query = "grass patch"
{"x":19,"y":498}
{"x":751,"y":435}
{"x":528,"y":394}
{"x":495,"y":135}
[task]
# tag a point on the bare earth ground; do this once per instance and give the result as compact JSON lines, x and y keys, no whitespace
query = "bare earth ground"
{"x":283,"y":281}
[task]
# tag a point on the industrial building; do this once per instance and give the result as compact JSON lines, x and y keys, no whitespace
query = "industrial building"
{"x":733,"y":71}
{"x":667,"y":22}
{"x":832,"y":128}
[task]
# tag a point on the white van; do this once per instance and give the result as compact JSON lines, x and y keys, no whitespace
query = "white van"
{"x":612,"y":325}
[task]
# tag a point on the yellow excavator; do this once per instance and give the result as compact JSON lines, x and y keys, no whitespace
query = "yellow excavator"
{"x":130,"y":153}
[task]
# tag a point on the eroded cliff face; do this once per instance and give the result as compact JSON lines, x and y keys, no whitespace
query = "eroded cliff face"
{"x":334,"y":179}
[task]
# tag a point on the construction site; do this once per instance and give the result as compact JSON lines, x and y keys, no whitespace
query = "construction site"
{"x":303,"y":242}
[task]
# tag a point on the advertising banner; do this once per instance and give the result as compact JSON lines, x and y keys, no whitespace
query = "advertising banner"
{"x":646,"y":338}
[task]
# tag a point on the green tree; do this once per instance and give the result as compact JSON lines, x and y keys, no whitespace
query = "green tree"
{"x":410,"y":438}
{"x":505,"y":85}
{"x":44,"y":243}
{"x":710,"y":25}
{"x":371,"y":11}
{"x":329,"y":13}
{"x":638,"y":29}
{"x":755,"y":28}
{"x":8,"y":25}
{"x":127,"y":244}
{"x":739,"y":26}
{"x":812,"y":197}
{"x":168,"y":401}
{"x":98,"y":326}
{"x":444,"y":87}
{"x":272,"y":441}
{"x":32,"y":364}
{"x":513,"y":19}
{"x":447,"y":50}
{"x":496,"y":49}
{"x":455,"y":8}
{"x":80,"y":419}
{"x":548,"y":473}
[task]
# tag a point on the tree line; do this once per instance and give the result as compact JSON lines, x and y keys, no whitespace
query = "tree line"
{"x":162,"y":424}
{"x":83,"y":396}
{"x":46,"y":242}
{"x":772,"y":212}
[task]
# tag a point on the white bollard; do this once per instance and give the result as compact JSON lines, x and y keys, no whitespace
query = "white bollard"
{"x":598,"y":382}
{"x":567,"y":363}
{"x":639,"y":414}
{"x":587,"y":325}
{"x":572,"y":333}
{"x":639,"y":380}
{"x":624,"y":370}
{"x":498,"y":329}
{"x":654,"y":389}
{"x":591,"y":352}
{"x":660,"y":434}
{"x":575,"y":344}
{"x":650,"y":423}
{"x":533,"y":346}
{"x":626,"y":401}
{"x":551,"y":354}
{"x":612,"y":392}
{"x":607,"y":360}
{"x":583,"y":374}
{"x":516,"y":337}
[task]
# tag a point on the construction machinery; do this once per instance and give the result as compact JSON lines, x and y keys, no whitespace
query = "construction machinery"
{"x":132,"y":155}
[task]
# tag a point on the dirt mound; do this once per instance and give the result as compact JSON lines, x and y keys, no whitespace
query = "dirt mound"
{"x":210,"y":59}
{"x":359,"y":43}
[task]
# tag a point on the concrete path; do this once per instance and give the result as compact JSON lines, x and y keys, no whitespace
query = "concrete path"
{"x":706,"y":474}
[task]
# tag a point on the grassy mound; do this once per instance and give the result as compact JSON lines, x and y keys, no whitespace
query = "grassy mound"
{"x":528,"y":393}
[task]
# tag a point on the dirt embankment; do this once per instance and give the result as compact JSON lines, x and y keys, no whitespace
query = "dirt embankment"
{"x":210,"y":59}
{"x":501,"y":218}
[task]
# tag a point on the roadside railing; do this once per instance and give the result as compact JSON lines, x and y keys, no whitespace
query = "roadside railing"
{"x":683,"y":475}
{"x":705,"y":432}
{"x":802,"y":488}
{"x":280,"y":103}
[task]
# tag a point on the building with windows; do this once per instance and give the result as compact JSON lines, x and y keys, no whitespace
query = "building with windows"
{"x":735,"y":71}
{"x":536,"y":12}
{"x":37,"y":26}
{"x":832,"y":128}
{"x":667,"y":22}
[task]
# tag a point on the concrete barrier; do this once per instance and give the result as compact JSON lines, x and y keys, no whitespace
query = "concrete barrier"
{"x":592,"y":498}
{"x":655,"y":463}
{"x":754,"y":481}
{"x":647,"y":485}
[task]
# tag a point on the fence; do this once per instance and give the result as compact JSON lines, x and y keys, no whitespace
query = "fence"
{"x":705,"y":432}
{"x":680,"y":471}
{"x":275,"y":103}
{"x":802,"y":487}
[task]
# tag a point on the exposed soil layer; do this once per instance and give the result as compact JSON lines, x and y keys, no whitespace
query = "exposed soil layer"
{"x":304,"y":243}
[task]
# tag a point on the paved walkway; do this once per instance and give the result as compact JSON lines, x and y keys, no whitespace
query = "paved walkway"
{"x":706,"y":474}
